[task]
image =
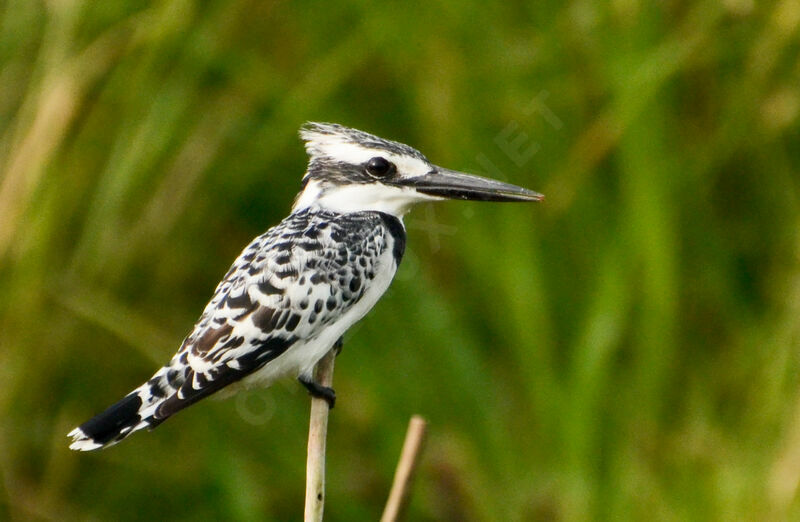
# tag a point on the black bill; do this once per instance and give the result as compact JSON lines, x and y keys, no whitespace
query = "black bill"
{"x":451,"y":184}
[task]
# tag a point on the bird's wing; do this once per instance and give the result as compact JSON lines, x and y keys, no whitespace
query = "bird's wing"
{"x":286,"y":286}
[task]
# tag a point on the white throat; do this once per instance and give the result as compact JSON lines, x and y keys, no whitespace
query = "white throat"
{"x":396,"y":201}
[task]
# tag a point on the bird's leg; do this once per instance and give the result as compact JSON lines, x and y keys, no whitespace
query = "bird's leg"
{"x":319,"y":391}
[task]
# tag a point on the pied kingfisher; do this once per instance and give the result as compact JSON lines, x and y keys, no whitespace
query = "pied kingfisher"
{"x":293,"y":292}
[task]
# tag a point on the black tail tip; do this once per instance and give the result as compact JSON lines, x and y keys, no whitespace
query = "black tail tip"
{"x":109,"y":427}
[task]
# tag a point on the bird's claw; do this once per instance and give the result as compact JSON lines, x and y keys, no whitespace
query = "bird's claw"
{"x":319,"y":391}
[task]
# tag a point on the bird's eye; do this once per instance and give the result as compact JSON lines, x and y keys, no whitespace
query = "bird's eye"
{"x":380,"y":167}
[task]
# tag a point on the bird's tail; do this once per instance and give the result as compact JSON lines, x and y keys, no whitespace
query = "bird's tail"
{"x":134,"y":412}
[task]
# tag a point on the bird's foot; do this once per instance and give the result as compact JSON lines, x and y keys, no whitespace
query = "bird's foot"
{"x":319,"y":391}
{"x":337,"y":346}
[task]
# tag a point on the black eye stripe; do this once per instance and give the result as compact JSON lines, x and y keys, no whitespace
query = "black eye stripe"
{"x":380,"y":167}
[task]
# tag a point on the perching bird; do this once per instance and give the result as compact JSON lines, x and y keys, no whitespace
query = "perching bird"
{"x":294,"y":290}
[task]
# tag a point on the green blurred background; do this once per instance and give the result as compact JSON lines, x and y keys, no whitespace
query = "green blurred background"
{"x":625,"y":350}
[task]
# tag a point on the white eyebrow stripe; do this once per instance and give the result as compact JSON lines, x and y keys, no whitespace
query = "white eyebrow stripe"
{"x":341,"y":151}
{"x":354,"y":154}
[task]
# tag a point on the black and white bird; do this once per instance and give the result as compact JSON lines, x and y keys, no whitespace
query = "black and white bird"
{"x":294,"y":291}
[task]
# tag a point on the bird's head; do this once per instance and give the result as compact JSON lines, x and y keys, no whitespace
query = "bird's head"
{"x":350,"y":171}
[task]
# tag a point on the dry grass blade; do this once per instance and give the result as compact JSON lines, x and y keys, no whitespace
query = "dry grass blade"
{"x":404,"y":475}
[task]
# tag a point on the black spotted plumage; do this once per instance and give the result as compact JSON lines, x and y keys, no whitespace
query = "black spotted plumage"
{"x":294,"y":291}
{"x":252,"y":319}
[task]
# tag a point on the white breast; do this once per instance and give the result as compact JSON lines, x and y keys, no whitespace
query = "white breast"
{"x":301,"y":358}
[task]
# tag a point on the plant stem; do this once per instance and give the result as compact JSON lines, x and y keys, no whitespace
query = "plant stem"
{"x":317,"y":432}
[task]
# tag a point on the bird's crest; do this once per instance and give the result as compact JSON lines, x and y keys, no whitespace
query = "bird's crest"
{"x":334,"y":141}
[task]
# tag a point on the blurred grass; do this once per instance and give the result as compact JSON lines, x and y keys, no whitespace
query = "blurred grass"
{"x":626,"y":350}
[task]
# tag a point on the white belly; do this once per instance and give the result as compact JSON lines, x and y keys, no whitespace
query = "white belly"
{"x":302,"y":356}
